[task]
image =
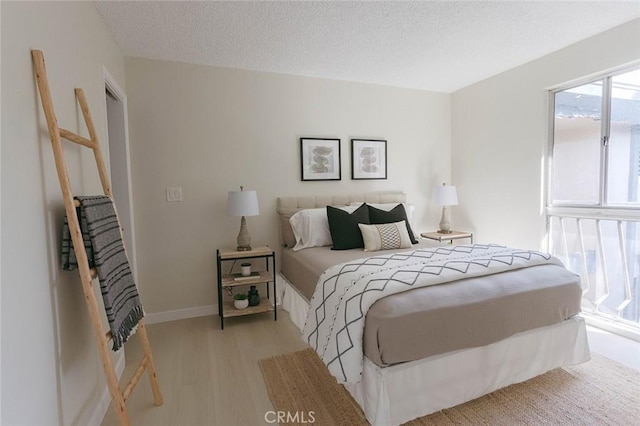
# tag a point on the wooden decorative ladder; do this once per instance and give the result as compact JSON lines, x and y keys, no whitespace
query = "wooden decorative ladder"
{"x":88,"y":274}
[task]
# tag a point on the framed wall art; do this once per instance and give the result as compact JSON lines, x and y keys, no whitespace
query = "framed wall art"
{"x":320,"y":159}
{"x":368,"y":159}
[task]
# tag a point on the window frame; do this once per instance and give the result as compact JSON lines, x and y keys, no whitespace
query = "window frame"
{"x":605,"y":132}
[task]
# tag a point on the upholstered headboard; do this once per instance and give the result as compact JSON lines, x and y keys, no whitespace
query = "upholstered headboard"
{"x":288,"y":206}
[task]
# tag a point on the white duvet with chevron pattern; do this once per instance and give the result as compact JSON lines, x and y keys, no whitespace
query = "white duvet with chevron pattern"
{"x":344,"y":293}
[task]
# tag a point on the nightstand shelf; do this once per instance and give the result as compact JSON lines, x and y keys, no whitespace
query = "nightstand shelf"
{"x":229,"y":280}
{"x":264,"y":306}
{"x":256,"y":252}
{"x":453,"y":235}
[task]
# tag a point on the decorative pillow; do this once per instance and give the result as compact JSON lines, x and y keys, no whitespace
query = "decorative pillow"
{"x":344,"y":227}
{"x":396,"y":214}
{"x":385,"y":236}
{"x":408,"y":208}
{"x":310,"y":228}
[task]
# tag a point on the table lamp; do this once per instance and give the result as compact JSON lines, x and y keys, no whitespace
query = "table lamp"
{"x":243,"y":203}
{"x":445,"y":196}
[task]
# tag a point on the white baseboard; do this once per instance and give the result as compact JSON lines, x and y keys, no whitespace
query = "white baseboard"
{"x":614,"y":327}
{"x":178,"y":314}
{"x":105,"y":399}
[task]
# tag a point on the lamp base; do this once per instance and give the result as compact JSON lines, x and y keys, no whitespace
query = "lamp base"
{"x":244,"y":240}
{"x":445,"y":224}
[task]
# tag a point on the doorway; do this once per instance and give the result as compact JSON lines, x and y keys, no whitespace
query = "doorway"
{"x":120,"y":163}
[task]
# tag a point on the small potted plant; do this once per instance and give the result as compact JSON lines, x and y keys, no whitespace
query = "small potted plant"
{"x":240,"y":301}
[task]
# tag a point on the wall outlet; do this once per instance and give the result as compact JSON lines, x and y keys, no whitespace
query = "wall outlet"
{"x":174,"y":195}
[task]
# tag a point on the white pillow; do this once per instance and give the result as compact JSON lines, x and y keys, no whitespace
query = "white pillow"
{"x":385,"y":236}
{"x":311,"y":227}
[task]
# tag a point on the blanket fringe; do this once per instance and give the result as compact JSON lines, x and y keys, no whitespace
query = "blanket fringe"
{"x":127,"y":328}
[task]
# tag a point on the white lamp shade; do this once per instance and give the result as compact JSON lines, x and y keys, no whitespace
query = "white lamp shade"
{"x":242,"y":203}
{"x":445,"y":195}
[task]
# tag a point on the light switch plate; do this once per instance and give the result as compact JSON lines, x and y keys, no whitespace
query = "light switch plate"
{"x":174,"y":194}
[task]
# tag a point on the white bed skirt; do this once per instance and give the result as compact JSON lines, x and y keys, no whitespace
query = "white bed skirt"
{"x":292,"y":302}
{"x":397,"y":394}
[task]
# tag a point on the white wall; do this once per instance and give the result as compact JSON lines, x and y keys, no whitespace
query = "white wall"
{"x":50,"y":370}
{"x":210,"y":130}
{"x":499,"y":137}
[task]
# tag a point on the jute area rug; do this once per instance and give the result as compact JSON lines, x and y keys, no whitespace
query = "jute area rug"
{"x":599,"y":392}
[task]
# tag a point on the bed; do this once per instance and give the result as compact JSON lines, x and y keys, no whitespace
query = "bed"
{"x":439,"y":345}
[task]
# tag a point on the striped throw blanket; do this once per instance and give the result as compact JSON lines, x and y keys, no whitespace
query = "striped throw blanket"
{"x":105,"y":250}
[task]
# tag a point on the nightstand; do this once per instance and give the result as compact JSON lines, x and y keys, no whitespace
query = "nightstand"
{"x":229,"y":280}
{"x":453,"y":235}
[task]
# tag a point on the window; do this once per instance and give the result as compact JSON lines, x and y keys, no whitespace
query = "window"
{"x":624,"y":140}
{"x":594,"y":194}
{"x":596,"y":143}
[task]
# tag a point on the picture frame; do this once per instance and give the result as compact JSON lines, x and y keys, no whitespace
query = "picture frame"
{"x":320,"y":159}
{"x":368,"y":159}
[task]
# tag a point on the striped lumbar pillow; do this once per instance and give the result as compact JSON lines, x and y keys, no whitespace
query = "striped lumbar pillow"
{"x":385,"y":236}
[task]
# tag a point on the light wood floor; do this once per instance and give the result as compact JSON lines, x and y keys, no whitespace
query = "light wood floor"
{"x":208,"y":376}
{"x":211,"y":377}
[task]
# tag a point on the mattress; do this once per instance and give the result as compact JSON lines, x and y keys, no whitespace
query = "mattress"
{"x":438,"y":319}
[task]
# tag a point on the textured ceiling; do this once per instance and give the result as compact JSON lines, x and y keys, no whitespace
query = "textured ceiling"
{"x":432,"y":45}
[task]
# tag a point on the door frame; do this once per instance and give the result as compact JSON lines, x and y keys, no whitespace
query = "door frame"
{"x":112,"y":86}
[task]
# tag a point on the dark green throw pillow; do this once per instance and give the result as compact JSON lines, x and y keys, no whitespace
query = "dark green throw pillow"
{"x":344,"y":229}
{"x":398,"y":213}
